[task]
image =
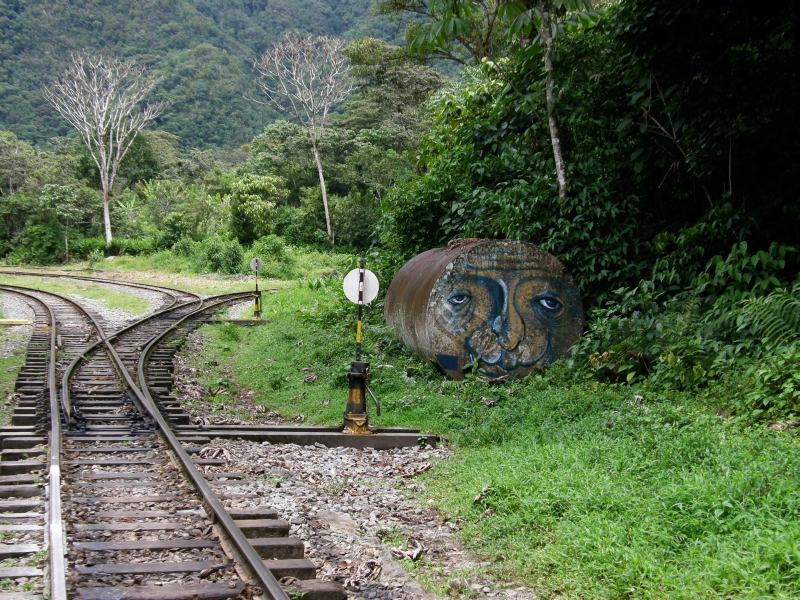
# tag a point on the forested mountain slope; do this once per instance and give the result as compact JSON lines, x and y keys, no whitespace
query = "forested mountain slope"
{"x":203,"y":48}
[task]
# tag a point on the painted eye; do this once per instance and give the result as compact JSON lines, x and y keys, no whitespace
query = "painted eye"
{"x":458,"y":298}
{"x":551,"y":304}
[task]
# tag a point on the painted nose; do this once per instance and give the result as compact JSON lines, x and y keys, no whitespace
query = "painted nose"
{"x":508,"y":327}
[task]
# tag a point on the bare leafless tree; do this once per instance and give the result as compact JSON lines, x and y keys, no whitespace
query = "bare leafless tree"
{"x":305,"y":76}
{"x":100,"y":96}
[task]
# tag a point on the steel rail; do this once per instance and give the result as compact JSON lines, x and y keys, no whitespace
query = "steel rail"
{"x":55,"y":529}
{"x":65,"y":396}
{"x":242,"y":545}
{"x":66,"y":404}
{"x":254,"y":561}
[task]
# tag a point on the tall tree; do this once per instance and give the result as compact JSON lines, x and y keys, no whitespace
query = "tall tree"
{"x":480,"y":26}
{"x":305,"y":76}
{"x":391,"y":88}
{"x":17,"y":160}
{"x":68,"y":205}
{"x":100,"y":96}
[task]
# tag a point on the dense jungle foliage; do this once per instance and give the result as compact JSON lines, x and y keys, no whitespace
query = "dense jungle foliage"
{"x":679,"y":135}
{"x":678,"y":132}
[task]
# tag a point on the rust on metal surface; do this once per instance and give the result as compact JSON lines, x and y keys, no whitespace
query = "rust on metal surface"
{"x":508,"y":307}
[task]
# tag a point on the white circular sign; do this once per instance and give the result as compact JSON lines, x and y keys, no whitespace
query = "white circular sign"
{"x":256,"y":264}
{"x":371,"y":286}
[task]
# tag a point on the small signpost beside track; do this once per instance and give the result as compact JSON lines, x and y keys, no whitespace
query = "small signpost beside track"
{"x":256,"y":265}
{"x":360,"y":287}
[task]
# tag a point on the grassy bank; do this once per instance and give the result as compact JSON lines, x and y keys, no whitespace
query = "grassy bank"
{"x":583,"y":490}
{"x":171,"y":270}
{"x":12,"y":355}
{"x":580,"y":489}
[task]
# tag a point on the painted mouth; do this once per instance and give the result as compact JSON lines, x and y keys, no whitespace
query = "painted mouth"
{"x":506,"y":361}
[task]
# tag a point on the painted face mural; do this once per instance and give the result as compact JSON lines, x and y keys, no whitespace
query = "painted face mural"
{"x":512,"y":307}
{"x":509,"y":306}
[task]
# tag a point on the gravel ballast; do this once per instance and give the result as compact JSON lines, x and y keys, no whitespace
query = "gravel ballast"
{"x":357,"y":514}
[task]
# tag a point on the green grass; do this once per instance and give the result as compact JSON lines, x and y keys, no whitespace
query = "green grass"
{"x":297,"y":262}
{"x":273,"y":359}
{"x":111,"y":298}
{"x":9,"y":367}
{"x":292,"y":264}
{"x":591,"y":493}
{"x":165,"y":262}
{"x":604,"y":504}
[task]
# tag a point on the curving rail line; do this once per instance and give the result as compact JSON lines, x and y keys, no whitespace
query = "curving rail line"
{"x":96,"y":359}
{"x":54,"y":536}
{"x":252,"y":558}
{"x":176,"y":294}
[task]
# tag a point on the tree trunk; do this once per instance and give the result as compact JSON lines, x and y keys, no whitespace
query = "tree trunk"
{"x":552,"y":122}
{"x":322,"y":186}
{"x":66,"y":241}
{"x":106,"y":215}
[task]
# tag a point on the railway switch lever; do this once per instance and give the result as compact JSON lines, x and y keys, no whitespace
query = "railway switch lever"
{"x":360,"y":287}
{"x":256,"y":265}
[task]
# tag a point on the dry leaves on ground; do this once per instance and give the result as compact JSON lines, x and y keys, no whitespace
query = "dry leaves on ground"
{"x":215,"y":452}
{"x":355,"y":574}
{"x":412,"y":553}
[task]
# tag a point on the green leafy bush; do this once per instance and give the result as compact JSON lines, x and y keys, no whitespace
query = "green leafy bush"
{"x":95,"y":258}
{"x":776,"y":383}
{"x":270,"y":247}
{"x":354,"y":218}
{"x":185,"y":247}
{"x":253,"y":202}
{"x":221,"y":255}
{"x":304,"y":224}
{"x":41,"y":244}
{"x":687,"y":339}
{"x":774,"y":318}
{"x":773,"y":378}
{"x":131,"y":246}
{"x":279,"y":259}
{"x":175,"y":226}
{"x":84,"y":246}
{"x":119,"y":246}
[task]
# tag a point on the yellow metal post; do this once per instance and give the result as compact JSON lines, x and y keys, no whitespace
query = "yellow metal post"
{"x":257,"y":308}
{"x":356,"y":420}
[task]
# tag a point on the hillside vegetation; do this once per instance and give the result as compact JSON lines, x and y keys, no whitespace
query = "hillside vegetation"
{"x":204,"y":49}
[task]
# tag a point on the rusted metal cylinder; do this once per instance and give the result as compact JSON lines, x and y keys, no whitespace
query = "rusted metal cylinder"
{"x":504,"y":306}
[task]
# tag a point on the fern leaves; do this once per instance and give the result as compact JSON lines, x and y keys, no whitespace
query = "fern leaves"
{"x":775,"y":317}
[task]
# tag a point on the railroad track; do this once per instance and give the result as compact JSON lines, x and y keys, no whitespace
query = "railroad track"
{"x":100,"y":467}
{"x":172,"y":296}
